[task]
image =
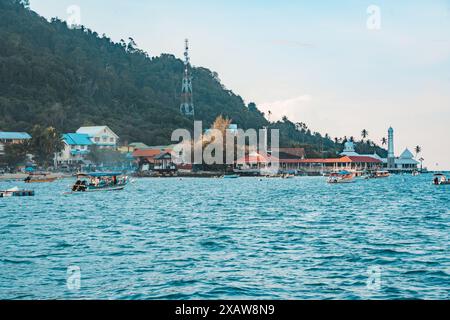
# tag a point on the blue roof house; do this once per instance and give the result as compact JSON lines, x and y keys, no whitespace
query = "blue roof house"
{"x":76,"y":147}
{"x":12,"y":138}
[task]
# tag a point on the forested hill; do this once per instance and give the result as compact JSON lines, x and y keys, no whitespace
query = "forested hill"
{"x":64,"y":77}
{"x":53,"y":75}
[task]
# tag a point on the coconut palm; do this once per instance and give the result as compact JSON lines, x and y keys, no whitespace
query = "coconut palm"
{"x":383,"y":141}
{"x":417,"y":149}
{"x":364,"y":133}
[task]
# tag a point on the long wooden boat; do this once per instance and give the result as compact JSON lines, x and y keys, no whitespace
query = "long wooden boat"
{"x":39,"y":178}
{"x":99,"y":181}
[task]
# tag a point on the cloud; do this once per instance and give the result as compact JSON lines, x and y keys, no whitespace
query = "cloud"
{"x":290,"y":107}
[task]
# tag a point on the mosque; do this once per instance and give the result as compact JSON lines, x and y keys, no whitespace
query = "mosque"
{"x":404,"y":163}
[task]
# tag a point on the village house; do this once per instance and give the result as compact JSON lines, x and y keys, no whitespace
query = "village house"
{"x":12,"y":138}
{"x":146,"y":157}
{"x":76,"y":148}
{"x":101,"y":136}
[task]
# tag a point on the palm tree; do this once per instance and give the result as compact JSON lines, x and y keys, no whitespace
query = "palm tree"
{"x":364,"y":133}
{"x":383,"y":141}
{"x":417,"y":149}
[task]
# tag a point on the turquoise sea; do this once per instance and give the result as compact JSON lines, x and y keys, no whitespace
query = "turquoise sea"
{"x":245,"y":238}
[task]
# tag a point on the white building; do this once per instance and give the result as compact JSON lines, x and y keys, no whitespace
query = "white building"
{"x":405,"y":162}
{"x":101,"y":136}
{"x":76,"y":148}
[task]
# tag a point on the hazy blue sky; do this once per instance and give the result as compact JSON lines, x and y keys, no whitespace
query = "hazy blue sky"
{"x":314,"y":62}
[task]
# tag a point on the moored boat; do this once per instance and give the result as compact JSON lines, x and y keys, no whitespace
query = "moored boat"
{"x":381,"y":174}
{"x":39,"y":177}
{"x":99,"y":181}
{"x":440,"y":179}
{"x":16,"y":192}
{"x":341,"y":177}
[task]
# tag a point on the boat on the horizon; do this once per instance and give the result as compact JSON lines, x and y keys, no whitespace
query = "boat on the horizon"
{"x":343,"y":176}
{"x":231,"y":176}
{"x":99,"y":181}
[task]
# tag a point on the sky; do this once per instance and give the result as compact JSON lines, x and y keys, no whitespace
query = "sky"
{"x":338,"y":66}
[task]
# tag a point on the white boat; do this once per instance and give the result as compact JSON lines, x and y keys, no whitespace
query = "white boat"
{"x":381,"y":174}
{"x":341,"y":177}
{"x":16,"y":192}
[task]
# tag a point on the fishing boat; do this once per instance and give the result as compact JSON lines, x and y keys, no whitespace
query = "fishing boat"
{"x":381,"y":174}
{"x":99,"y":181}
{"x":440,"y":179}
{"x":16,"y":192}
{"x":341,"y":177}
{"x":415,"y":173}
{"x":39,"y":177}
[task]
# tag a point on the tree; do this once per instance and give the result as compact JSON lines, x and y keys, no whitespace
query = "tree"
{"x":105,"y":157}
{"x":15,"y":154}
{"x":44,"y":144}
{"x":383,"y":141}
{"x":364,"y":133}
{"x":418,"y":150}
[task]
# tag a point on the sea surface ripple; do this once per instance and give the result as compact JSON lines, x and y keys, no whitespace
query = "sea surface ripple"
{"x":245,"y":238}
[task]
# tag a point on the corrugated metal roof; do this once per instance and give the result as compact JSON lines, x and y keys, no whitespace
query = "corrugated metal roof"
{"x":77,"y":139}
{"x":14,"y":135}
{"x":406,"y":154}
{"x":94,"y":130}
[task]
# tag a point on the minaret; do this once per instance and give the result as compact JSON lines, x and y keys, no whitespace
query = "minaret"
{"x":391,"y":155}
{"x":187,"y":101}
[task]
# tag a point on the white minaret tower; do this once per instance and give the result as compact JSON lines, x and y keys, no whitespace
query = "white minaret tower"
{"x":391,"y":155}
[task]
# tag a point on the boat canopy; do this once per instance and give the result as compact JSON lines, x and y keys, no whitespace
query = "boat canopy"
{"x":99,"y":174}
{"x":344,"y":172}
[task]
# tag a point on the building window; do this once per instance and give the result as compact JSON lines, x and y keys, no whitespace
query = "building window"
{"x":97,"y":139}
{"x":111,"y":139}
